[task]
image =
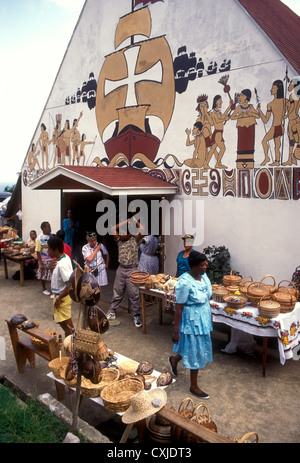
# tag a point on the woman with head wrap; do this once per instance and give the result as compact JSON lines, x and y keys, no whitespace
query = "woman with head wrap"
{"x":192,"y":323}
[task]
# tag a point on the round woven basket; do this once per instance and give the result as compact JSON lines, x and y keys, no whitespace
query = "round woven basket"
{"x":58,"y":365}
{"x":88,"y":389}
{"x":244,"y":285}
{"x":129,"y":366}
{"x":219,"y":293}
{"x":231,"y":279}
{"x":117,"y":396}
{"x":109,"y":376}
{"x":268,"y":308}
{"x":235,"y":302}
{"x":288,"y":289}
{"x":286,"y":300}
{"x":69,"y":383}
{"x":255,"y":292}
{"x":138,"y":277}
{"x":273,"y":287}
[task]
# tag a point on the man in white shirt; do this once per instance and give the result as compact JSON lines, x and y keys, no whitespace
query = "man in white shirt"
{"x":62,"y":303}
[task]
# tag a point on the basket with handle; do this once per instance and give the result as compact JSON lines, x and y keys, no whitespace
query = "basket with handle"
{"x":231,"y":279}
{"x":255,"y":292}
{"x":286,"y":300}
{"x":273,"y":287}
{"x":198,"y":413}
{"x":268,"y":308}
{"x":244,"y":285}
{"x":202,"y":416}
{"x":289,"y":289}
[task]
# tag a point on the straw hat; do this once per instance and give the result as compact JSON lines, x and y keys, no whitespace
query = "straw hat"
{"x":145,"y":404}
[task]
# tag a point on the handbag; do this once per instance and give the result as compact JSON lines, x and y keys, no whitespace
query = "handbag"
{"x":87,"y":342}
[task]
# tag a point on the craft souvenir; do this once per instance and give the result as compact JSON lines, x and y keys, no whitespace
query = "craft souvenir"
{"x":145,"y":368}
{"x":164,"y":379}
{"x":97,"y":320}
{"x":18,"y":319}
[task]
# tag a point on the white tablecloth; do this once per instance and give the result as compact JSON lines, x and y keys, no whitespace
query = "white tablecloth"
{"x":286,"y":327}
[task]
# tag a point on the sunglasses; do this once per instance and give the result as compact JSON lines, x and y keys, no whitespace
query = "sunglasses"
{"x":91,"y":234}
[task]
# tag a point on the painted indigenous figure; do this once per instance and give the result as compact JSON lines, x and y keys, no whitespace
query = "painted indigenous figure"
{"x":277,"y":108}
{"x":33,"y":158}
{"x":245,"y":115}
{"x":67,"y":134}
{"x":198,"y":159}
{"x":82,"y":146}
{"x":206,"y":121}
{"x":293,"y":106}
{"x":44,"y":142}
{"x":217,"y":141}
{"x":60,"y":146}
{"x":75,"y":139}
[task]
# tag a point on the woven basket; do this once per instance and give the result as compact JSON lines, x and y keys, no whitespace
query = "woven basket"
{"x":231,"y":279}
{"x":286,"y":300}
{"x":129,"y":366}
{"x":273,"y":287}
{"x":69,"y":383}
{"x":232,"y":289}
{"x":199,"y":414}
{"x":90,"y":390}
{"x":102,"y":352}
{"x":202,"y":416}
{"x":235,"y":302}
{"x":138,"y":278}
{"x":268,"y":308}
{"x":243,"y":285}
{"x":288,"y":289}
{"x":58,"y":365}
{"x":41,"y":345}
{"x":87,"y":342}
{"x":219,"y":293}
{"x":255,"y":292}
{"x":109,"y":376}
{"x":117,"y":396}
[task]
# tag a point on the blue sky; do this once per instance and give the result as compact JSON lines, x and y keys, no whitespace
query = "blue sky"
{"x":34,"y":35}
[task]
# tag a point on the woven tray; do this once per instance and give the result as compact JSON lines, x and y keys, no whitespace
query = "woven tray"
{"x":117,"y":396}
{"x":129,"y":366}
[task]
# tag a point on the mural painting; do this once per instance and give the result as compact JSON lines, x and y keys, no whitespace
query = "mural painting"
{"x":134,"y":99}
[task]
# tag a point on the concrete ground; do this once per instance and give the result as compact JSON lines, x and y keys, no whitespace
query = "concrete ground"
{"x":241,"y":399}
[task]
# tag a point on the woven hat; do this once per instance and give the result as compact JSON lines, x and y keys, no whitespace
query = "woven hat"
{"x":145,"y":404}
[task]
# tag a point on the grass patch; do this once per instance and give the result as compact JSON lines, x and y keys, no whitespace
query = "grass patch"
{"x":28,"y":422}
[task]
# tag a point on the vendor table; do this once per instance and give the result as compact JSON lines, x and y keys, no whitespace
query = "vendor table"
{"x":17,"y":259}
{"x":285,"y":327}
{"x":99,"y":401}
{"x":154,"y":293}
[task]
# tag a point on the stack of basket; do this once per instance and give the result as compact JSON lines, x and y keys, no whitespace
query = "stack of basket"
{"x":231,"y":279}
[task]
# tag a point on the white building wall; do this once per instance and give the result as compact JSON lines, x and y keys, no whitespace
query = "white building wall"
{"x":259,"y":228}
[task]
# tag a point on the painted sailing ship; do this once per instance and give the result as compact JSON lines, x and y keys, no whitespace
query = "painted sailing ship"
{"x":136,"y":91}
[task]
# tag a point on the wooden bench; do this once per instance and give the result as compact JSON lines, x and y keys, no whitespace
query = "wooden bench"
{"x":24,"y":349}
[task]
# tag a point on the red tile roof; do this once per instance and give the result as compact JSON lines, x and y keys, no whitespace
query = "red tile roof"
{"x":119,"y":176}
{"x":280,"y":23}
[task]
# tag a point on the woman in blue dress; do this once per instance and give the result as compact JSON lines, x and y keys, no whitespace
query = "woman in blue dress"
{"x":192,"y":322}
